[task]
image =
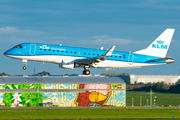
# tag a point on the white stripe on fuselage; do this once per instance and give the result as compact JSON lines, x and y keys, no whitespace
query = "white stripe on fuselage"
{"x":57,"y":59}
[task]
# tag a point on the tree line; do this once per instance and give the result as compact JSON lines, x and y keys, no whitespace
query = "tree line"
{"x":38,"y":74}
{"x":4,"y":74}
{"x":116,"y":74}
{"x":159,"y":87}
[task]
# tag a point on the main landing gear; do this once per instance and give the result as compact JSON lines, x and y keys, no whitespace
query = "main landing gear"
{"x":86,"y":71}
{"x":25,"y":64}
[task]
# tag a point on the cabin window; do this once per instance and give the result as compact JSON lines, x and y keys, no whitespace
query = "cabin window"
{"x":49,"y":50}
{"x":53,"y":50}
{"x":93,"y":53}
{"x":115,"y":56}
{"x":44,"y":49}
{"x":124,"y":56}
{"x":119,"y":56}
{"x":40,"y":48}
{"x":57,"y":50}
{"x":71,"y":52}
{"x":66,"y":51}
{"x":84,"y":53}
{"x":62,"y":51}
{"x":111,"y":55}
{"x":97,"y":54}
{"x":88,"y":53}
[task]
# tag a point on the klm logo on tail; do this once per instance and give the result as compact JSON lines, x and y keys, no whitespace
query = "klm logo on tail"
{"x":159,"y":45}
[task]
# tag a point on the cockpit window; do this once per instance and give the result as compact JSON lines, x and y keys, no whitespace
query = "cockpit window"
{"x":18,"y":46}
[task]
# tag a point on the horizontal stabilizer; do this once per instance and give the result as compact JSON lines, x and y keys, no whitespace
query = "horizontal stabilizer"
{"x":168,"y":60}
{"x":160,"y":59}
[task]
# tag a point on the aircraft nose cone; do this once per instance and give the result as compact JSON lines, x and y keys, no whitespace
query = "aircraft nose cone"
{"x":6,"y":53}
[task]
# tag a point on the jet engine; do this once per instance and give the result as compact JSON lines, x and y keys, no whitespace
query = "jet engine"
{"x":68,"y":64}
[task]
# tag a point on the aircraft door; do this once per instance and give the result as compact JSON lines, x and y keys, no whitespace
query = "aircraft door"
{"x":32,"y":49}
{"x":130,"y":58}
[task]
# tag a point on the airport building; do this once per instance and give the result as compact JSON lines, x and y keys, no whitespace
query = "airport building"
{"x":171,"y":80}
{"x":62,"y":91}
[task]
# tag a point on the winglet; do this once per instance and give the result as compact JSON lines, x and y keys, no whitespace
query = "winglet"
{"x":109,"y":52}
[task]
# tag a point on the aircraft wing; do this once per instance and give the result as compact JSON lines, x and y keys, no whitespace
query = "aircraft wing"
{"x":96,"y":59}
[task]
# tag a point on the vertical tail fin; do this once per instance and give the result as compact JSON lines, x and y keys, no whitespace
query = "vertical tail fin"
{"x":160,"y":46}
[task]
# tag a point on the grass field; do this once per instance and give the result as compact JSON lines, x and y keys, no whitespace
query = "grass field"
{"x":164,"y":99}
{"x":91,"y":114}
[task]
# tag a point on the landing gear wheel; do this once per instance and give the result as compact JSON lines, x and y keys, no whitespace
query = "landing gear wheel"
{"x":86,"y":72}
{"x":24,"y":67}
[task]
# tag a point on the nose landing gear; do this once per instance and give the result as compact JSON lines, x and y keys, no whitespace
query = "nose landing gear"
{"x":25,"y":64}
{"x":24,"y":67}
{"x":86,"y":71}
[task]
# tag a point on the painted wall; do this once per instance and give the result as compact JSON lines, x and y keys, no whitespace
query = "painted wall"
{"x":93,"y":95}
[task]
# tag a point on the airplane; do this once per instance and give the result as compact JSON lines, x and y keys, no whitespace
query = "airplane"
{"x":74,"y":57}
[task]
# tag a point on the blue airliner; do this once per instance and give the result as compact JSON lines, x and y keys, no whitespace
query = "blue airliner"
{"x":74,"y":57}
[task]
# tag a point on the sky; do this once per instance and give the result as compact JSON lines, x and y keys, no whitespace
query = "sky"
{"x":130,"y":25}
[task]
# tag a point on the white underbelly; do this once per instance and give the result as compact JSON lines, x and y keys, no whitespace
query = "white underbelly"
{"x":122,"y":64}
{"x":46,"y":58}
{"x":104,"y":64}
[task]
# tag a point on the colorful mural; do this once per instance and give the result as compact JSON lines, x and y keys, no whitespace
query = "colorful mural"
{"x":91,"y":95}
{"x":21,"y":99}
{"x":100,"y":95}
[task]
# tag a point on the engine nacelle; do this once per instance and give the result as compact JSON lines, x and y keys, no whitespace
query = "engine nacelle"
{"x":68,"y":64}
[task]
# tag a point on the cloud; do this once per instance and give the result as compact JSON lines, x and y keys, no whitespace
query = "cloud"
{"x":89,"y":41}
{"x":11,"y":30}
{"x":5,"y":18}
{"x":15,"y":35}
{"x":8,"y":30}
{"x":93,"y":40}
{"x":56,"y":37}
{"x":174,"y":41}
{"x":18,"y":40}
{"x":100,"y":37}
{"x":107,"y":40}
